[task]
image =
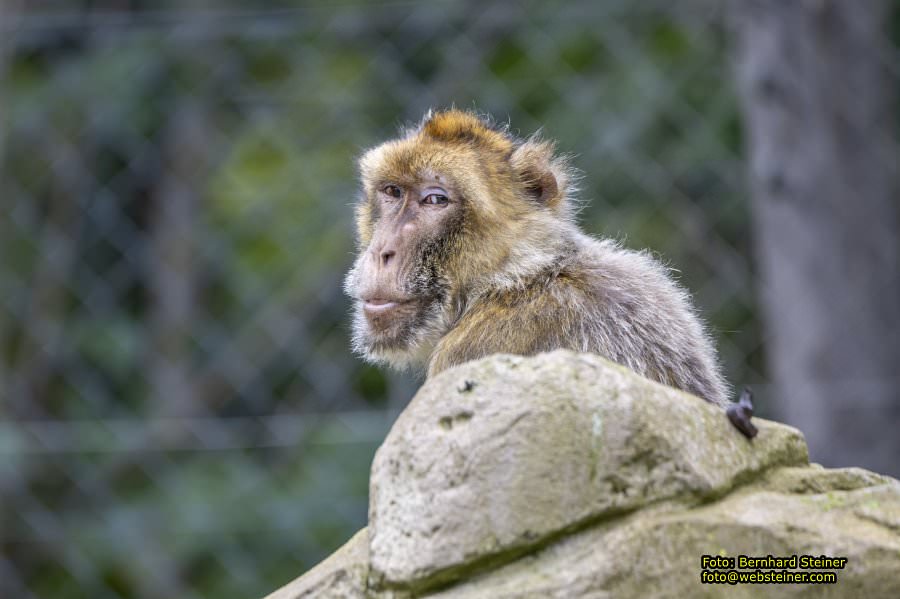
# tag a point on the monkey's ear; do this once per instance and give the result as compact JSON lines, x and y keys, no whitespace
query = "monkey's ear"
{"x":543,"y":177}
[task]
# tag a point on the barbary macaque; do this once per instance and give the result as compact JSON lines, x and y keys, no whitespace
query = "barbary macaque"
{"x":468,"y":246}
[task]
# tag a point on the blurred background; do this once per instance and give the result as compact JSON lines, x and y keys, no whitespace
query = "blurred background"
{"x":180,"y":415}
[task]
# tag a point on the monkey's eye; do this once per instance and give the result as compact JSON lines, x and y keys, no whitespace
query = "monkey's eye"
{"x":435,"y":199}
{"x":393,"y":191}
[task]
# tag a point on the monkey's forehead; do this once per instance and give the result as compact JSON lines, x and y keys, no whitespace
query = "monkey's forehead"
{"x":415,"y":159}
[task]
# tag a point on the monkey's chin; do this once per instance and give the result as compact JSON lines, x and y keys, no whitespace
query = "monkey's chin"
{"x":401,"y":336}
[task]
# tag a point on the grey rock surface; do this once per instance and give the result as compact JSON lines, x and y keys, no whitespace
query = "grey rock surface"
{"x":565,"y":475}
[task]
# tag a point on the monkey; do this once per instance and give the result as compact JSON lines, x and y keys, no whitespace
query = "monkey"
{"x":467,"y":245}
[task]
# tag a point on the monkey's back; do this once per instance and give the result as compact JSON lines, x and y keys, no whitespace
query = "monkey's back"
{"x":600,"y":298}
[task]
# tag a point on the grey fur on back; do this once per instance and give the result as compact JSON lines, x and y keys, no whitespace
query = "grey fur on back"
{"x":645,"y":320}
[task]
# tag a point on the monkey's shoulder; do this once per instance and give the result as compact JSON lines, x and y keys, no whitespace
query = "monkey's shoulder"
{"x":619,"y":276}
{"x":596,"y":274}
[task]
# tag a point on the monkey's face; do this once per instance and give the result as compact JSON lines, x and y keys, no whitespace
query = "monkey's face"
{"x":398,"y":281}
{"x":444,"y":216}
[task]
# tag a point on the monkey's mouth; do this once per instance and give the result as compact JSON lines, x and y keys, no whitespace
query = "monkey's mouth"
{"x":390,"y":316}
{"x":377,"y":305}
{"x":393,"y":323}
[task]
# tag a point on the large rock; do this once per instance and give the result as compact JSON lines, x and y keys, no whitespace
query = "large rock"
{"x":565,"y":475}
{"x":495,"y":456}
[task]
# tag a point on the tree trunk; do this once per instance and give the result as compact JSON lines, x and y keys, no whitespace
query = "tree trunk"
{"x":817,"y":100}
{"x":6,"y":17}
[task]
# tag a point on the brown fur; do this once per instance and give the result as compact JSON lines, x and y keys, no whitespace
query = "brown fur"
{"x":506,"y":269}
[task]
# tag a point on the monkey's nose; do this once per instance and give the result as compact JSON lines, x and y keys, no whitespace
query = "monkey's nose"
{"x":386,"y":256}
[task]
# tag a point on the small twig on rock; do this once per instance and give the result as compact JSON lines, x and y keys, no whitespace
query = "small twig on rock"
{"x":741,"y":412}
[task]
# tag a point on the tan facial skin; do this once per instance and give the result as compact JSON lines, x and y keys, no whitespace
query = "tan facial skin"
{"x":409,"y":214}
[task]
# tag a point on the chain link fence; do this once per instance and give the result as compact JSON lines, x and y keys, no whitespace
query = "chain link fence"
{"x":181,"y":415}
